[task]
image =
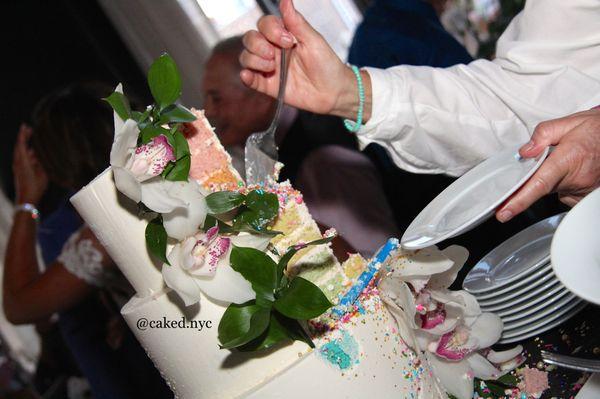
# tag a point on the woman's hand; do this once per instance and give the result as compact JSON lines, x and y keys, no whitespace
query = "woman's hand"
{"x":29,"y":176}
{"x":318,"y":81}
{"x":572,"y":169}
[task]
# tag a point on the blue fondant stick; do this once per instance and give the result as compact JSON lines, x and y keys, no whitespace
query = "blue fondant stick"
{"x":364,"y":279}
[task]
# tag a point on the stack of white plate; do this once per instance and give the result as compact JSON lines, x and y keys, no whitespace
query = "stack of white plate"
{"x":516,"y":282}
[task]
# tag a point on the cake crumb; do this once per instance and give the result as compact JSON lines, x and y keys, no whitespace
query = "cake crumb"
{"x":534,"y":382}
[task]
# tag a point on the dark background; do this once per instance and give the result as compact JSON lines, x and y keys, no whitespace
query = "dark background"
{"x":51,"y":44}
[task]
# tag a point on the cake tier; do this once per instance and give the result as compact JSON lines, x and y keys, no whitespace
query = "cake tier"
{"x":362,"y":357}
{"x":190,"y":361}
{"x":114,"y":220}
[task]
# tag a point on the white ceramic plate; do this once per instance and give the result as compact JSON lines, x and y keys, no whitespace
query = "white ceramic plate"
{"x":471,"y":199}
{"x":532,"y":297}
{"x":550,"y":310}
{"x":591,"y":389}
{"x":568,"y":310}
{"x":542,"y":328}
{"x":518,"y":288}
{"x":524,"y":252}
{"x":528,"y":307}
{"x":576,"y":249}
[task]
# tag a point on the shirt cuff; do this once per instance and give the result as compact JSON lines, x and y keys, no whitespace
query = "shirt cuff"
{"x":385,"y":98}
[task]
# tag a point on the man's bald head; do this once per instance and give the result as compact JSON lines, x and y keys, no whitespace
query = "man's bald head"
{"x":234,"y":110}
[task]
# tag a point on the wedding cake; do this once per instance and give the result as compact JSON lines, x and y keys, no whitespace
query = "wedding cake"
{"x":199,"y":248}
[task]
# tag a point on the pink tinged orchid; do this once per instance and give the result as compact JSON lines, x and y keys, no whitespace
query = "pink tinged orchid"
{"x":149,"y":160}
{"x":202,"y":252}
{"x":447,"y":327}
{"x":454,"y":345}
{"x":136,"y":173}
{"x":199,"y":264}
{"x":432,"y":318}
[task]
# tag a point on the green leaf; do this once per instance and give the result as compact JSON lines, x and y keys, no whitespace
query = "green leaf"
{"x":508,"y":380}
{"x":120,"y":104}
{"x":245,"y":222}
{"x":156,"y":239}
{"x":142,"y":119}
{"x":167,"y":169}
{"x":280,"y":329}
{"x":176,"y":113}
{"x":496,"y":389}
{"x":180,"y":145}
{"x":150,"y":132}
{"x":275,"y":334}
{"x":259,"y":211}
{"x":164,"y":81}
{"x":285,"y":259}
{"x":256,"y":267}
{"x":241,"y":324}
{"x":224,"y":201}
{"x":180,"y":171}
{"x":265,"y":206}
{"x":302,"y":300}
{"x":212,"y":221}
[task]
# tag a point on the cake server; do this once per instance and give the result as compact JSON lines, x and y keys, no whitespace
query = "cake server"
{"x":261,"y":150}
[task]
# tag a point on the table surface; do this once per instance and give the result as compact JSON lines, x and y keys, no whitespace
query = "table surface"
{"x":579,"y":336}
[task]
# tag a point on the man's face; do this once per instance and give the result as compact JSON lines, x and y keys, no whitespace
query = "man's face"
{"x":234,"y":110}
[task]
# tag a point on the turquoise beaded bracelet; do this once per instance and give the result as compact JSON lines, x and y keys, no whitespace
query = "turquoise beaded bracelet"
{"x":350,"y":125}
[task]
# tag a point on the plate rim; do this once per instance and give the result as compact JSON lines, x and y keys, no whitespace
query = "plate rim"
{"x":544,"y":321}
{"x":558,"y":288}
{"x":544,"y":328}
{"x":568,"y":305}
{"x":559,"y":294}
{"x":484,"y":214}
{"x":559,"y":216}
{"x":519,"y":285}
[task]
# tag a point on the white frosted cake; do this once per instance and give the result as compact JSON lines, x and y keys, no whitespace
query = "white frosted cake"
{"x":357,"y":353}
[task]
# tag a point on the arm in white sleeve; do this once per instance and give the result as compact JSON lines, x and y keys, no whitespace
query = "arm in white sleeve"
{"x":435,"y":120}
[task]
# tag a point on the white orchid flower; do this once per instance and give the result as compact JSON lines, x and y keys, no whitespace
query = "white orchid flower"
{"x":200,"y":264}
{"x":447,"y":327}
{"x":136,"y":169}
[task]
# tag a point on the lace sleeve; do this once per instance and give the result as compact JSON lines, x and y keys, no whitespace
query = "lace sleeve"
{"x":80,"y":257}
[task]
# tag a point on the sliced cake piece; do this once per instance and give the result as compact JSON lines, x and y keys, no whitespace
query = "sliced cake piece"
{"x":211,"y":164}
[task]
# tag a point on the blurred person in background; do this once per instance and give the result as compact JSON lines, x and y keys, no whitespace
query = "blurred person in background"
{"x":340,"y":185}
{"x":69,"y":145}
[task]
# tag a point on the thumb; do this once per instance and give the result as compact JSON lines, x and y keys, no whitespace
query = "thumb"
{"x":549,"y":133}
{"x":295,"y":23}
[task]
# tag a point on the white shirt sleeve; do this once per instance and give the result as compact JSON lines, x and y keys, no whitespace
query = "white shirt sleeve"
{"x":446,"y":120}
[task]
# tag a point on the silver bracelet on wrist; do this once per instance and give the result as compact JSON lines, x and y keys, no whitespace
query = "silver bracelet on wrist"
{"x":30,"y":208}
